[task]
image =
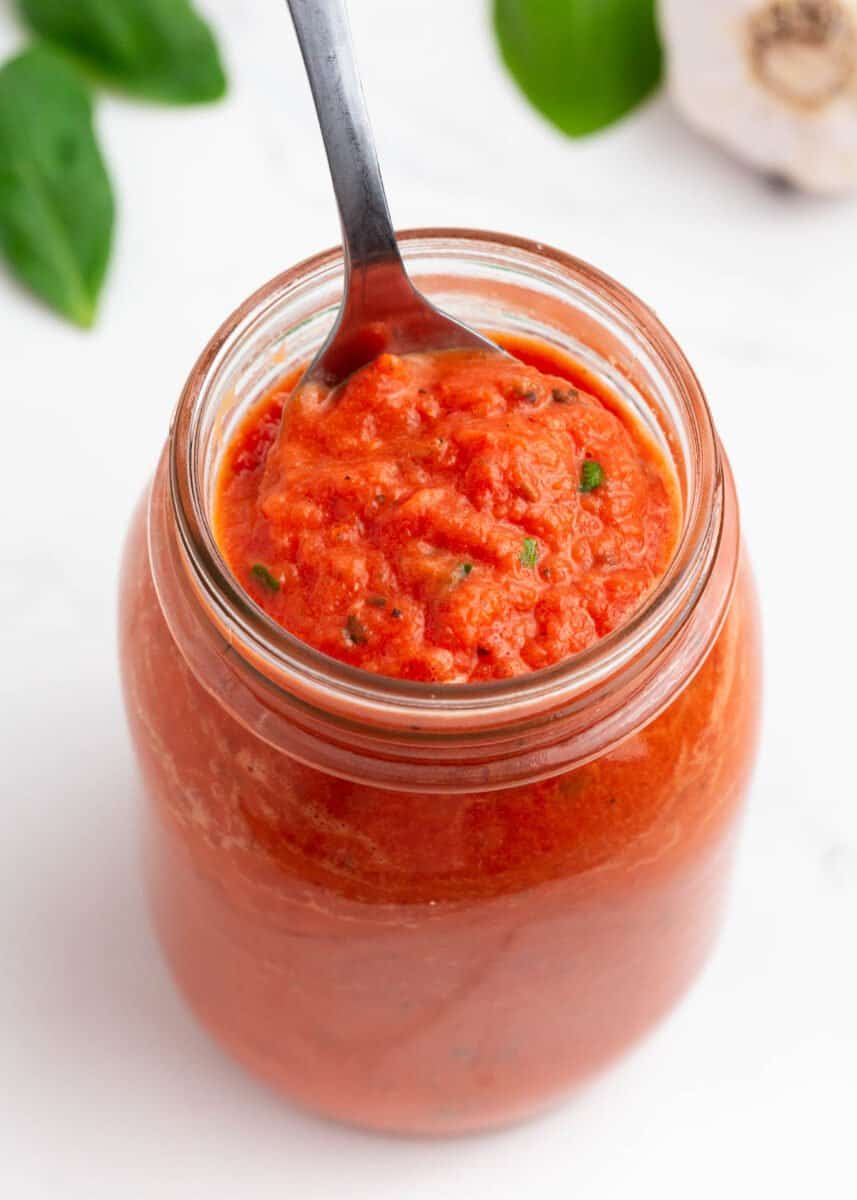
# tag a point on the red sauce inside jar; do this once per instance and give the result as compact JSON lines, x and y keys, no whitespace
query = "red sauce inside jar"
{"x":387,"y":955}
{"x":448,"y":517}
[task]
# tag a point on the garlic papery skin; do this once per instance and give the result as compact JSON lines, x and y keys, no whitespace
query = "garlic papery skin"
{"x":773,"y":80}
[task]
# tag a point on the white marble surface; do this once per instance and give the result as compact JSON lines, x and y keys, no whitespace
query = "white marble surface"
{"x":108,"y":1088}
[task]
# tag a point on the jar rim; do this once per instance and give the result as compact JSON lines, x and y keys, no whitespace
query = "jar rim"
{"x":297,"y":669}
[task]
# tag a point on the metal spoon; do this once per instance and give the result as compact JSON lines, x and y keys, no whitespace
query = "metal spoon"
{"x":381,"y":309}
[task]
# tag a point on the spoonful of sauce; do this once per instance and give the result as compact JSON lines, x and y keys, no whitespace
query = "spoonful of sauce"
{"x":381,"y":311}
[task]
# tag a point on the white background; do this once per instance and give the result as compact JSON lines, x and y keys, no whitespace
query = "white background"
{"x":107,"y":1088}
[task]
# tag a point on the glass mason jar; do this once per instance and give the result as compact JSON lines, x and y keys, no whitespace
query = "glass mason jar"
{"x":421,"y":908}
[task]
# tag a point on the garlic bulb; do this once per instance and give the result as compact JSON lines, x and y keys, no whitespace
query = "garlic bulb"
{"x":773,"y":80}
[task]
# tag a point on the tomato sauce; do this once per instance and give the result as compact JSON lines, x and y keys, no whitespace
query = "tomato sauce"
{"x":449,"y":517}
{"x":407,"y":959}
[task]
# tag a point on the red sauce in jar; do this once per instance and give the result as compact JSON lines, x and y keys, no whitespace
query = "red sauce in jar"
{"x":447,"y":517}
{"x":402,"y":958}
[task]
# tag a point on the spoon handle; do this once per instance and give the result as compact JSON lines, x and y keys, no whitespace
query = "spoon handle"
{"x":325,"y":42}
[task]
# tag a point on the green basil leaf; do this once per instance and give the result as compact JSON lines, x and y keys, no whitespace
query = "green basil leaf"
{"x":160,"y":49}
{"x":582,"y":63}
{"x":56,"y":203}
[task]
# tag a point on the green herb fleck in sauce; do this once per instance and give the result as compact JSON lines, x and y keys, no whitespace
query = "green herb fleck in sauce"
{"x":260,"y":571}
{"x":355,"y":631}
{"x":591,"y":476}
{"x":530,"y":552}
{"x":565,"y":395}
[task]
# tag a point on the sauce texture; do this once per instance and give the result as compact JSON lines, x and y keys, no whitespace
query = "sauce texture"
{"x":439,"y":960}
{"x":450,"y":517}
